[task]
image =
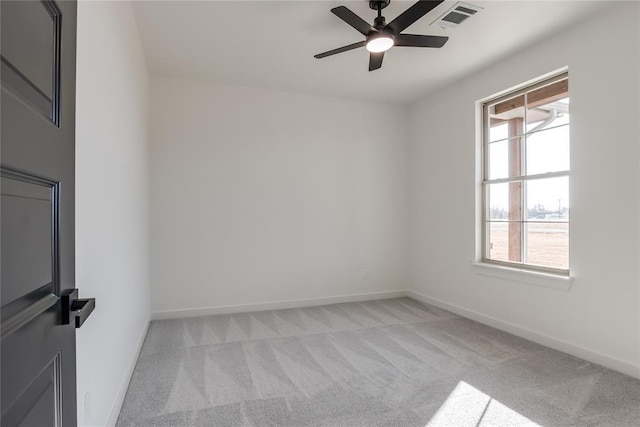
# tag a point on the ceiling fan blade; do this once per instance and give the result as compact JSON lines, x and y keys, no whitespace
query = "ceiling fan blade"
{"x":375,"y":60}
{"x":352,"y":19}
{"x":341,"y":49}
{"x":412,"y":14}
{"x":416,"y":40}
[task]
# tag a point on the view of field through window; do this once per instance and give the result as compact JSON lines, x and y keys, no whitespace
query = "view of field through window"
{"x":527,"y":177}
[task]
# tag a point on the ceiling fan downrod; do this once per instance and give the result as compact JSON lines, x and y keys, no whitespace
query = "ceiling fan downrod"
{"x":378,"y":5}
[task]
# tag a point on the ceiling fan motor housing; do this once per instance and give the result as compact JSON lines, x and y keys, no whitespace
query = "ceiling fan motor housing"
{"x":379,"y":23}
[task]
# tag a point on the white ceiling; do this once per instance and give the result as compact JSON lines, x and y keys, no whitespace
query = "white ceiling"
{"x":272,"y":43}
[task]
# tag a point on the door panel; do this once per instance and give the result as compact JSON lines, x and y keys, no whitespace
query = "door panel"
{"x":27,"y":239}
{"x":40,"y":403}
{"x":37,"y":211}
{"x":30,"y":68}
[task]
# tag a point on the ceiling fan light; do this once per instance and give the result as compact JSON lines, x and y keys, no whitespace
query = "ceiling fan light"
{"x":380,"y":44}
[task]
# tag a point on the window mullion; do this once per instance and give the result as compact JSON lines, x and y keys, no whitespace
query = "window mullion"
{"x":529,"y":177}
{"x":523,"y":189}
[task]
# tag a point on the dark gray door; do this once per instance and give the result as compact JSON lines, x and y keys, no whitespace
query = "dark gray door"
{"x":37,"y":158}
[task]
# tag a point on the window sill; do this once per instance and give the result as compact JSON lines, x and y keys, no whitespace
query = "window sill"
{"x":546,"y":280}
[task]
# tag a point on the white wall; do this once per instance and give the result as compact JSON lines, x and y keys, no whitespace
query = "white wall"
{"x":260,"y":196}
{"x":111,"y":204}
{"x":598,"y":318}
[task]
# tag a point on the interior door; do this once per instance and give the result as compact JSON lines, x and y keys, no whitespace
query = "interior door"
{"x":37,"y":155}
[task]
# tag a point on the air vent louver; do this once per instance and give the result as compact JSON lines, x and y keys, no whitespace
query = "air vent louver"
{"x":455,"y":18}
{"x":456,"y":15}
{"x":466,"y":10}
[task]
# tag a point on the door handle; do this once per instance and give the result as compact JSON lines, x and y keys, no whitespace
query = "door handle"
{"x":74,"y":307}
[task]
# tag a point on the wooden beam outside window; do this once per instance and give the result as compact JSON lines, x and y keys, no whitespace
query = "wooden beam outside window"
{"x":536,"y":98}
{"x":516,"y":127}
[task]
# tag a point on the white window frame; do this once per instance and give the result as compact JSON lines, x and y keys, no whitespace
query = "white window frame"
{"x":485,"y":181}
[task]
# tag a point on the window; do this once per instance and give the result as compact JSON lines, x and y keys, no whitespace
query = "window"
{"x":525,"y":177}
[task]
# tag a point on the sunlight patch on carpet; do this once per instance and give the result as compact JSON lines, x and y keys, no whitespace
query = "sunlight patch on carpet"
{"x":468,"y":406}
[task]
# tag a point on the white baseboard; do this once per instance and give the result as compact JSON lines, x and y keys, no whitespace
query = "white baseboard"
{"x":274,"y":305}
{"x":554,"y":343}
{"x":124,"y":385}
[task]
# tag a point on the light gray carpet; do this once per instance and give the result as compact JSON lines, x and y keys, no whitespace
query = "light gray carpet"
{"x":391,"y":362}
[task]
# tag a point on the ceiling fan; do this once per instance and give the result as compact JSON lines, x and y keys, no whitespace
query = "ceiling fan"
{"x":381,"y":36}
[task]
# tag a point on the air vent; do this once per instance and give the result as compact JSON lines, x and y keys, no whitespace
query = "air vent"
{"x":456,"y":15}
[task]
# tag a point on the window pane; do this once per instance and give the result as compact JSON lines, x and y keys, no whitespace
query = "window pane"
{"x":504,"y":201}
{"x":540,"y":119}
{"x":498,"y":236}
{"x":548,"y":106}
{"x":506,"y":119}
{"x":498,"y":131}
{"x":548,"y":244}
{"x":505,"y":158}
{"x":548,"y":151}
{"x":504,"y":241}
{"x":548,"y":199}
{"x":498,"y":160}
{"x":498,"y":201}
